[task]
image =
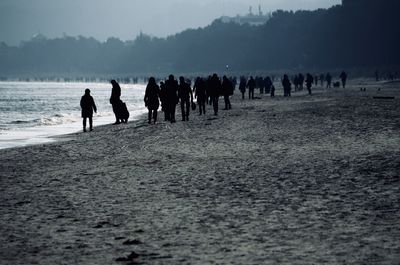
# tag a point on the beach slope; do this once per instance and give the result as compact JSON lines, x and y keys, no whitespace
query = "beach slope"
{"x":310,"y":180}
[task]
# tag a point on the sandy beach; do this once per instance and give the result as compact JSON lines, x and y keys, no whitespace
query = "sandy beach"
{"x":300,"y":180}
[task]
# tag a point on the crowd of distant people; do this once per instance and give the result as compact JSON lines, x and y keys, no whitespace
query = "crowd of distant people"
{"x":206,"y":90}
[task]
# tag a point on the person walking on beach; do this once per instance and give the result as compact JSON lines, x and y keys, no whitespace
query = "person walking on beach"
{"x":162,"y":99}
{"x":343,"y":77}
{"x":171,"y":97}
{"x":309,"y":82}
{"x":242,"y":86}
{"x":115,"y":100}
{"x":300,"y":81}
{"x":328,"y":79}
{"x":251,"y":84}
{"x":322,"y":79}
{"x":215,"y":90}
{"x":151,"y":99}
{"x":88,"y":106}
{"x":185,"y":94}
{"x":200,"y":94}
{"x":287,"y":86}
{"x":267,"y":84}
{"x":227,"y":90}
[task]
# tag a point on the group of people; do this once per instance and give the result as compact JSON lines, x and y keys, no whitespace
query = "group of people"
{"x":172,"y":92}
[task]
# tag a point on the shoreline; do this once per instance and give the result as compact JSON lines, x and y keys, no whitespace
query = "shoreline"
{"x":309,"y":179}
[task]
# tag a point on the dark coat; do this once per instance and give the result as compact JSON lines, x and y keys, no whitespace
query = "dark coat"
{"x":227,"y":87}
{"x":87,"y":105}
{"x":115,"y":94}
{"x":185,"y":91}
{"x":171,"y":92}
{"x":251,"y":84}
{"x":151,"y":97}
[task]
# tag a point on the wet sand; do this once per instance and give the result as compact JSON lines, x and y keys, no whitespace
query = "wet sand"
{"x":305,"y":180}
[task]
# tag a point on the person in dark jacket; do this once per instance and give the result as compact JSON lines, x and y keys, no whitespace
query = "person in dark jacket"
{"x":328,"y":79}
{"x":287,"y":86}
{"x":227,"y":91}
{"x":171,"y":97}
{"x":267,"y":84}
{"x":309,"y":82}
{"x":162,"y":99}
{"x":88,"y":106}
{"x":251,"y":84}
{"x":151,"y":99}
{"x":115,"y":100}
{"x":215,"y":90}
{"x":242,"y":86}
{"x":343,"y":77}
{"x":200,"y":94}
{"x":186,"y":97}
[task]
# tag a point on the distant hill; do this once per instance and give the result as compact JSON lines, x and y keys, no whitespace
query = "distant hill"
{"x":359,"y":33}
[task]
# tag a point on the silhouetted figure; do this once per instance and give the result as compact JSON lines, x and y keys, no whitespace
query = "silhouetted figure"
{"x":287,"y":86}
{"x":227,"y":91}
{"x":242,"y":86}
{"x":208,"y":90}
{"x":343,"y":77}
{"x":163,"y":93}
{"x":171,"y":97}
{"x":301,"y":82}
{"x":186,"y":97}
{"x":115,"y":100}
{"x":272,"y":91}
{"x":328,"y":78}
{"x":322,"y":79}
{"x":151,"y":99}
{"x":267,"y":85}
{"x":215,"y":90}
{"x":260,"y":84}
{"x":309,"y":82}
{"x":316,"y":80}
{"x":251,"y":84}
{"x":296,"y":82}
{"x":88,"y":106}
{"x":200,"y":94}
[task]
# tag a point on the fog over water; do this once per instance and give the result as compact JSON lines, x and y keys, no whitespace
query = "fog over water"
{"x":124,"y":19}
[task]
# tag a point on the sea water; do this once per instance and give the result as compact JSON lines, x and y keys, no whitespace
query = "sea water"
{"x":33,"y":112}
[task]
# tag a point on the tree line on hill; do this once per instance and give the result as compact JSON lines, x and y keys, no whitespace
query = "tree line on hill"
{"x":355,"y":34}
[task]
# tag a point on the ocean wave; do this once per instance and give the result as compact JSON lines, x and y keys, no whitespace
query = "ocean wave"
{"x":20,"y":122}
{"x":56,"y":119}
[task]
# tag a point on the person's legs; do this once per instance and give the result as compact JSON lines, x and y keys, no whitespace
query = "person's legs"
{"x":90,"y":123}
{"x":149,"y":116}
{"x":215,"y":105}
{"x":84,"y":124}
{"x":155,"y":116}
{"x":172,"y":113}
{"x":187,"y":110}
{"x":115,"y":110}
{"x":183,"y":110}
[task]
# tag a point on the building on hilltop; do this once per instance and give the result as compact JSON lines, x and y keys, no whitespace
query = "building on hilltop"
{"x":251,"y":18}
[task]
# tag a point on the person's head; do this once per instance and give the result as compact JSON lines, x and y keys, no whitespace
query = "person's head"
{"x":285,"y":76}
{"x":181,"y":79}
{"x":152,"y":80}
{"x":87,"y":91}
{"x":171,"y":78}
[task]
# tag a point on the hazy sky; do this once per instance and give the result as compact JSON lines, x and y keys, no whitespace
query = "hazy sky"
{"x":21,"y":19}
